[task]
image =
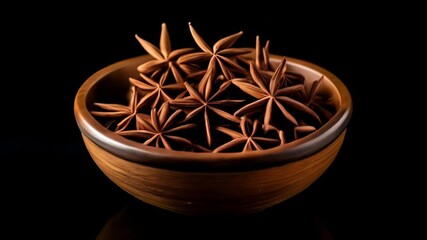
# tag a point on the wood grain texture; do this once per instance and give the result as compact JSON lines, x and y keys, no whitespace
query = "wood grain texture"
{"x":195,"y":193}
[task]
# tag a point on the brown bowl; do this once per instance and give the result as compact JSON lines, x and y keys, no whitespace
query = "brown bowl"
{"x":202,"y":183}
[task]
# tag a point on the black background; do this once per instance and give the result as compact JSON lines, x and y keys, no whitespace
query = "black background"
{"x":52,"y":187}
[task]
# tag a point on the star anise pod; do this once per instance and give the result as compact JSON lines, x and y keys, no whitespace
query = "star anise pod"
{"x":161,"y":129}
{"x":165,"y":60}
{"x":303,"y":129}
{"x":262,"y":62}
{"x":250,"y":137}
{"x":270,"y":93}
{"x":122,"y":114}
{"x":317,"y":101}
{"x":261,"y":58}
{"x":220,"y":54}
{"x":157,"y":92}
{"x":206,"y":101}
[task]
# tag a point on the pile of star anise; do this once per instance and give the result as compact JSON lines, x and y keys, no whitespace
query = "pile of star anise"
{"x":215,"y":99}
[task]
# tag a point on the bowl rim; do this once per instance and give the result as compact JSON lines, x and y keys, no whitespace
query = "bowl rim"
{"x":184,"y":160}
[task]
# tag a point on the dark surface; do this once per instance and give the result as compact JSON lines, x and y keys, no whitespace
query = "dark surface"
{"x":52,"y":187}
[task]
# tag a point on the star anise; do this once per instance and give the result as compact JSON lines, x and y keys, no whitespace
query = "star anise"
{"x":220,"y":54}
{"x":273,"y":95}
{"x":262,"y":62}
{"x":312,"y":100}
{"x":303,"y":129}
{"x":250,"y":137}
{"x":183,"y":93}
{"x":156,"y":92}
{"x":317,"y":101}
{"x":206,"y":101}
{"x":165,"y":60}
{"x":261,"y":58}
{"x":123,"y":114}
{"x":160,"y":129}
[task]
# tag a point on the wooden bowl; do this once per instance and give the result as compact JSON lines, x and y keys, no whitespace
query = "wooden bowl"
{"x":203,"y":183}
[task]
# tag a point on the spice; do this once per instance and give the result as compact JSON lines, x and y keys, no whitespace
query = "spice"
{"x":220,"y":98}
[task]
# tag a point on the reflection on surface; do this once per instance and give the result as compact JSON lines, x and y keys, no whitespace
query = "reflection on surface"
{"x":140,"y":221}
